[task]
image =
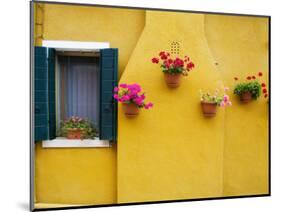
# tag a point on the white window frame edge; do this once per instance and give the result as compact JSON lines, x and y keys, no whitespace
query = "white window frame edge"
{"x":66,"y":45}
{"x":80,"y":46}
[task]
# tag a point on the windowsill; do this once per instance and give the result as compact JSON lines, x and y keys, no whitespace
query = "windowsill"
{"x":61,"y":142}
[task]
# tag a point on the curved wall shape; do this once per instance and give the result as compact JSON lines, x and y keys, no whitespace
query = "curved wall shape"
{"x":172,"y":151}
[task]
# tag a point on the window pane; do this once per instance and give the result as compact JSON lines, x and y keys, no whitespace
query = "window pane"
{"x":79,"y":87}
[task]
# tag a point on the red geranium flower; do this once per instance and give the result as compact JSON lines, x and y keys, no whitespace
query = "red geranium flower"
{"x":265,"y":95}
{"x":253,"y":77}
{"x":186,"y":58}
{"x":236,"y":78}
{"x":260,"y":74}
{"x":263,"y":85}
{"x":163,"y":57}
{"x":249,"y":78}
{"x":264,"y":90}
{"x":178,"y":63}
{"x":155,"y":60}
{"x":170,"y":61}
{"x":161,"y":53}
{"x":190,"y":65}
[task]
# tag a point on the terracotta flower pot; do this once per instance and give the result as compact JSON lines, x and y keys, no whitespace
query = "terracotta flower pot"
{"x":131,"y":110}
{"x":209,"y":109}
{"x":74,"y":134}
{"x":246,"y":97}
{"x":172,"y":80}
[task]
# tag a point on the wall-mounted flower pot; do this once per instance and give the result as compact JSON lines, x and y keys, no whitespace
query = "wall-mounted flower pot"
{"x":74,"y":134}
{"x":172,"y":80}
{"x":131,"y":110}
{"x":246,"y":97}
{"x":209,"y":109}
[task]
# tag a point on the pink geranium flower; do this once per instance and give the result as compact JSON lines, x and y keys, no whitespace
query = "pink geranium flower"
{"x":131,"y":93}
{"x":123,"y":85}
{"x":149,"y":105}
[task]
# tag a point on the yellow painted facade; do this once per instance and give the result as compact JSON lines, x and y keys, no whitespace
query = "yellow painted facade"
{"x":172,"y":151}
{"x":58,"y":172}
{"x":240,"y":46}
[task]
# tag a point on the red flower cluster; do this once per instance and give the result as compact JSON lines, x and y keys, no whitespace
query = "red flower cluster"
{"x":163,"y":55}
{"x":155,"y":60}
{"x":190,"y":66}
{"x":169,"y":63}
{"x":264,"y":90}
{"x":177,"y":63}
{"x":251,"y":77}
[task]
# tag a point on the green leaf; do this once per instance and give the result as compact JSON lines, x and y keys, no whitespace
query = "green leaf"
{"x":254,"y":87}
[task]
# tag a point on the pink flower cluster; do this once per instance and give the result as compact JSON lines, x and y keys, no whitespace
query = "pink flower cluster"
{"x":131,"y":93}
{"x":176,"y":65}
{"x":75,"y":119}
{"x":226,"y":101}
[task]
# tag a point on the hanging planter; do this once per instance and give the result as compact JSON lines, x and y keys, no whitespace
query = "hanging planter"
{"x":246,"y":97}
{"x":251,"y":89}
{"x":77,"y":128}
{"x":173,"y":69}
{"x":172,"y":80}
{"x":209,"y":109}
{"x":131,"y":98}
{"x":131,"y":110}
{"x":210,"y":102}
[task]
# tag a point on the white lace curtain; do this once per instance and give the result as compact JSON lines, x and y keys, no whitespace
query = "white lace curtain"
{"x":78,"y":88}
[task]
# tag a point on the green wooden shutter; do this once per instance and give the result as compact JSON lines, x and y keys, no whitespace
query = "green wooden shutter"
{"x":44,"y":94}
{"x":108,"y":107}
{"x":51,"y":93}
{"x":40,"y":94}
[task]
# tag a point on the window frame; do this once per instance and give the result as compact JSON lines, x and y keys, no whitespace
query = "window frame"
{"x":73,"y":47}
{"x":59,"y":80}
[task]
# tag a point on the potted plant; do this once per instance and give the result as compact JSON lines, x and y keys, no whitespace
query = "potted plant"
{"x":131,"y":98}
{"x":77,"y":128}
{"x":173,"y":68}
{"x":209,"y":102}
{"x":250,"y":89}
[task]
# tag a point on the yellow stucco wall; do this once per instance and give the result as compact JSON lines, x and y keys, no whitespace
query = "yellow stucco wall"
{"x":240,"y":46}
{"x":75,"y":176}
{"x":120,"y":27}
{"x":171,"y":151}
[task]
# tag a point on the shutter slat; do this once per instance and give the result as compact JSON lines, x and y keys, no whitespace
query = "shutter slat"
{"x":108,"y":107}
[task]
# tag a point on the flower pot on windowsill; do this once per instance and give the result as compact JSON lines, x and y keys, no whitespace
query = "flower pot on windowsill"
{"x":74,"y":133}
{"x":172,"y":80}
{"x":209,"y":109}
{"x":246,"y":97}
{"x":131,"y":110}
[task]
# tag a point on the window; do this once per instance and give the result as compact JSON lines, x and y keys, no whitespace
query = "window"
{"x":78,"y":88}
{"x":81,"y":86}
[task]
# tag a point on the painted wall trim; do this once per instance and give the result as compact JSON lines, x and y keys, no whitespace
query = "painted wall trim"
{"x":65,"y":45}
